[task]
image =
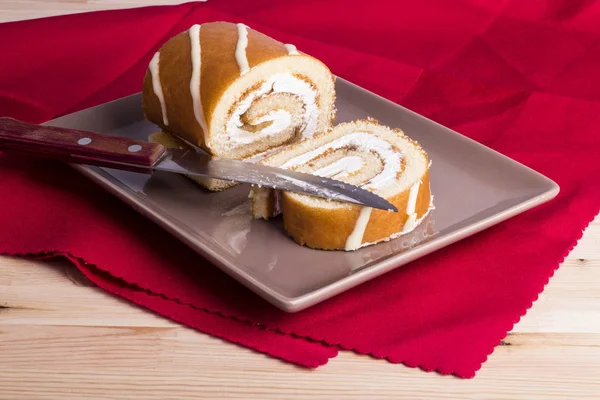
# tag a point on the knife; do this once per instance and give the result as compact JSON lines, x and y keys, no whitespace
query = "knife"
{"x":82,"y":147}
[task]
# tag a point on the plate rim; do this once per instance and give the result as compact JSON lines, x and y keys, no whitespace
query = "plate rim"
{"x":368,"y":272}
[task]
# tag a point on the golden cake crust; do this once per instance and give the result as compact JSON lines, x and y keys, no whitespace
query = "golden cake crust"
{"x":219,"y":70}
{"x":329,"y":228}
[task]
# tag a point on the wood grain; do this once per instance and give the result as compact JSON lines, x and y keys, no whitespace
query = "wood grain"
{"x":62,"y":338}
{"x":75,"y":146}
{"x":16,"y":10}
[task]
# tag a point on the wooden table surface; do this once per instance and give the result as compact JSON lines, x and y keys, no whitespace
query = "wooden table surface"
{"x":62,"y":338}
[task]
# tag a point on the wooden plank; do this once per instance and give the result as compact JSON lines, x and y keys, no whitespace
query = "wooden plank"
{"x":99,"y":362}
{"x":42,"y":293}
{"x":39,"y":294}
{"x":16,"y":10}
{"x":589,"y":246}
{"x":122,"y":349}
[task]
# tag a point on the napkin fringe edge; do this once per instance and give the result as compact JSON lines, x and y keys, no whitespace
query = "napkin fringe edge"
{"x":78,"y":262}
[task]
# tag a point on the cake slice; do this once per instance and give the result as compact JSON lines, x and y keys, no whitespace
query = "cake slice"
{"x":363,"y":153}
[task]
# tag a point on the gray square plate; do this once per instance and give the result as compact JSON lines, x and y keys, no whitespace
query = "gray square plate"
{"x":474,"y":188}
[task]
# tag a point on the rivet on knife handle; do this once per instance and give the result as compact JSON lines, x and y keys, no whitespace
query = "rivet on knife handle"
{"x":69,"y":145}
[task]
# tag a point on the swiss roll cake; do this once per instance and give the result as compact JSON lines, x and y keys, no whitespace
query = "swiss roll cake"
{"x":234,"y":92}
{"x":365,"y":154}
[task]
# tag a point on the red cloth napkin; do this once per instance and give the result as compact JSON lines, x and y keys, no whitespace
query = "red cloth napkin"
{"x":520,"y":77}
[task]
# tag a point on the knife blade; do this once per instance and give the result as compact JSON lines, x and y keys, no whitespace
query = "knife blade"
{"x":89,"y":148}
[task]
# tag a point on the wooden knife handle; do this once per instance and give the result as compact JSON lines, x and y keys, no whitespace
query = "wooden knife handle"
{"x":81,"y":147}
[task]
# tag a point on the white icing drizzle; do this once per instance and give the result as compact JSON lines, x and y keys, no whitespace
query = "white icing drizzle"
{"x":411,"y":207}
{"x":194,"y":33}
{"x":356,"y":237}
{"x":291,"y":49}
{"x":412,"y":198}
{"x":240,"y":50}
{"x":278,"y":83}
{"x":157,"y":86}
{"x":404,"y":233}
{"x":341,"y":168}
{"x":410,"y":223}
{"x":366,"y":142}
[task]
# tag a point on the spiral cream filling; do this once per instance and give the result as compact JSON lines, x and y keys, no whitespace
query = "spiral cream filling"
{"x":345,"y":166}
{"x":341,"y":168}
{"x":279,"y":119}
{"x":392,"y":160}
